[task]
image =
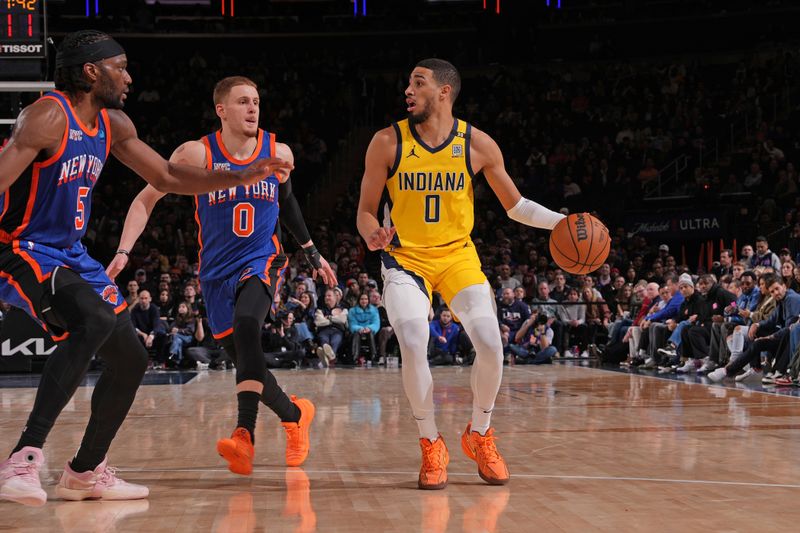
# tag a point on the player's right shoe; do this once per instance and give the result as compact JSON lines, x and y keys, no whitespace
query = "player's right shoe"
{"x":238,"y":451}
{"x":297,"y":438}
{"x":435,"y":458}
{"x":101,"y":483}
{"x":482,"y":449}
{"x":19,"y":477}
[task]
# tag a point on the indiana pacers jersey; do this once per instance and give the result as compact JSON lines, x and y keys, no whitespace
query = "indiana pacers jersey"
{"x":431,"y":205}
{"x":51,"y":201}
{"x":240,"y":223}
{"x":430,"y":189}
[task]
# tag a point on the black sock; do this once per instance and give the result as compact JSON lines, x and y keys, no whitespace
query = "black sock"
{"x":80,"y":466}
{"x":277,"y":400}
{"x":35,"y":433}
{"x":248,"y":411}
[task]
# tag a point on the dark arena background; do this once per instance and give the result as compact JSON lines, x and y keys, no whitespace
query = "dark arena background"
{"x":665,"y":396}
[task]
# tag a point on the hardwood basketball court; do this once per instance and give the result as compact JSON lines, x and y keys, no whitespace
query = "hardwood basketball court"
{"x":588,"y":450}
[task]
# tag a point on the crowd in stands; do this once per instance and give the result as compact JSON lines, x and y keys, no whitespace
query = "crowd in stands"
{"x":575,"y":137}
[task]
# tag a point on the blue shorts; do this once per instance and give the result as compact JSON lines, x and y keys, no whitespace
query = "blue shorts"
{"x":220,"y":294}
{"x":26,"y":268}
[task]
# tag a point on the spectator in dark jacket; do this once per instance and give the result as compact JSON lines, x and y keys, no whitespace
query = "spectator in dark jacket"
{"x":511,"y":313}
{"x":280,"y":343}
{"x":697,"y":337}
{"x":146,"y":320}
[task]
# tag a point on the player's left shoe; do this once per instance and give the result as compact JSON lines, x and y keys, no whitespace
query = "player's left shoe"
{"x":101,"y":483}
{"x":482,"y":449}
{"x":297,"y":438}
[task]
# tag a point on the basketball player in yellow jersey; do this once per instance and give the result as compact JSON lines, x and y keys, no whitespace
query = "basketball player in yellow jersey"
{"x":427,"y":162}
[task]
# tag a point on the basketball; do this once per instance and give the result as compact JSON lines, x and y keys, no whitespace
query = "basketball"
{"x":579,"y":243}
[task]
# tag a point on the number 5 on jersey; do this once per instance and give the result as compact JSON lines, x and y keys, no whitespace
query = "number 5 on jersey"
{"x":243,"y":219}
{"x":83,"y":192}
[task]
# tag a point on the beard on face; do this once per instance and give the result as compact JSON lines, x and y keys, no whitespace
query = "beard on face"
{"x":421,"y":116}
{"x":106,"y":94}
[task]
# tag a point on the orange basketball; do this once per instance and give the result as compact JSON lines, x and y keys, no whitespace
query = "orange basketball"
{"x":579,"y":243}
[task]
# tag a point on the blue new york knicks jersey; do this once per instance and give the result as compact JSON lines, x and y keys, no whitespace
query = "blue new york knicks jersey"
{"x":239,"y":224}
{"x":51,"y":201}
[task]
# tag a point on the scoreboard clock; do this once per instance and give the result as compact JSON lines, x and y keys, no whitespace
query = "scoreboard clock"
{"x":21,"y":29}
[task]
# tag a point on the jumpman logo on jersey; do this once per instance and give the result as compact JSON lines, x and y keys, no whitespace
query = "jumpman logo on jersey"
{"x":412,"y":152}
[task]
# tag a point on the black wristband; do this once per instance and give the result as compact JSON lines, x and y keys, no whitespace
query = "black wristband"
{"x":123,"y":252}
{"x":313,"y":257}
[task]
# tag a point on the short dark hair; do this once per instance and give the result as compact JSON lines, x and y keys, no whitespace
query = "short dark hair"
{"x":672,"y":277}
{"x":71,"y":79}
{"x":750,"y":274}
{"x":726,"y":251}
{"x":445,"y":74}
{"x":761,"y":238}
{"x":769,"y":279}
{"x":224,"y":86}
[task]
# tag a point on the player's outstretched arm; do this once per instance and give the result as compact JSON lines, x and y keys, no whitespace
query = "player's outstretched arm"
{"x":40,"y":126}
{"x":292,"y":217}
{"x":379,"y":159}
{"x":173,"y":177}
{"x":487,"y":157}
{"x":190,"y":153}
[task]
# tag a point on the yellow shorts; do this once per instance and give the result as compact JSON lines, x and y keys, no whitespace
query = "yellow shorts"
{"x":444,"y":269}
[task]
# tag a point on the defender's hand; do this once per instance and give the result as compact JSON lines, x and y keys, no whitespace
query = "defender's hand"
{"x":116,"y":265}
{"x":262,"y":168}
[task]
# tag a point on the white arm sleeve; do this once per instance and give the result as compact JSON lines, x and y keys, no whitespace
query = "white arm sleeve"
{"x":530,"y":213}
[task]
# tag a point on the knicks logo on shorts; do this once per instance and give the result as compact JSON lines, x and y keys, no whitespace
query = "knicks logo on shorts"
{"x":110,"y":294}
{"x":245,"y":273}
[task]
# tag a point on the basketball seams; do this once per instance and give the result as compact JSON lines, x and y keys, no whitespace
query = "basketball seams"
{"x":592,"y":261}
{"x":603,"y":249}
{"x":572,"y":238}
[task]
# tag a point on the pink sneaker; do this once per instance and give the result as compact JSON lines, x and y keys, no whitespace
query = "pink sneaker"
{"x":100,"y":484}
{"x":19,"y":477}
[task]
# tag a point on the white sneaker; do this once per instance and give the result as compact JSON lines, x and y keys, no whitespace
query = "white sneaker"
{"x":328,"y":351}
{"x":751,"y":376}
{"x":770,"y":377}
{"x":568,"y":354}
{"x":585,"y":354}
{"x":202,"y":366}
{"x":323,"y":359}
{"x":101,"y":483}
{"x":689,"y":366}
{"x":708,"y":366}
{"x":718,"y":374}
{"x":649,"y":364}
{"x":19,"y":477}
{"x":667,"y":352}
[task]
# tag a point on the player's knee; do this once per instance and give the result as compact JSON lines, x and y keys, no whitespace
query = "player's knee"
{"x":413,"y":336}
{"x":246,"y":328}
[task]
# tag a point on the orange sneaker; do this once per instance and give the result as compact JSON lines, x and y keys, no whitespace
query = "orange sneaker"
{"x":238,"y":451}
{"x":435,"y":457}
{"x":482,"y":449}
{"x":297,"y":441}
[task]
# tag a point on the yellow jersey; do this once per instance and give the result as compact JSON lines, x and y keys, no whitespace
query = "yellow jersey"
{"x":430,"y":189}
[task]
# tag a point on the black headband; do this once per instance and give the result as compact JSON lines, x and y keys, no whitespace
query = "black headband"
{"x":89,"y":53}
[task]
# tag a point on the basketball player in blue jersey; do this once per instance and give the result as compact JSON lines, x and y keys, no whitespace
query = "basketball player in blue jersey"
{"x":242,"y":262}
{"x":47,"y":173}
{"x":427,"y":163}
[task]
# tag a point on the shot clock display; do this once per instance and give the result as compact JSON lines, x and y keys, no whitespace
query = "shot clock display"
{"x":21,"y":34}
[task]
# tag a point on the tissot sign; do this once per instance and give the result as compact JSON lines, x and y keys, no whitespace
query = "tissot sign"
{"x":678,"y":225}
